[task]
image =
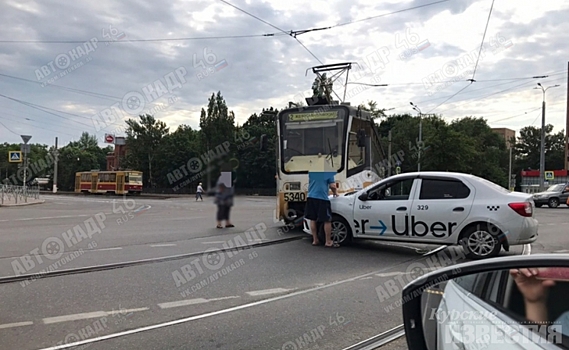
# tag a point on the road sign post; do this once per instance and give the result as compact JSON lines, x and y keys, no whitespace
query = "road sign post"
{"x":25,"y":148}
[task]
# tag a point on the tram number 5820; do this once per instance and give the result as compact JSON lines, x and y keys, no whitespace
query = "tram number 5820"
{"x":295,"y":197}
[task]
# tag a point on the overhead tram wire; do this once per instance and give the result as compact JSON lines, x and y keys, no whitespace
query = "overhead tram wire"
{"x":31,"y":106}
{"x":40,"y":127}
{"x":466,"y":101}
{"x":136,"y":40}
{"x":477,"y":60}
{"x":282,"y":32}
{"x":292,"y":33}
{"x":483,"y":37}
{"x":10,"y":130}
{"x":78,"y":91}
{"x":499,"y":92}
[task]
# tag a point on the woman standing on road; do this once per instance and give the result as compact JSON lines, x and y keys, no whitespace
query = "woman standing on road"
{"x":224,"y":202}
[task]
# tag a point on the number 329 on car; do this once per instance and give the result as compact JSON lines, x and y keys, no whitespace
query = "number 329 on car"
{"x":295,"y":197}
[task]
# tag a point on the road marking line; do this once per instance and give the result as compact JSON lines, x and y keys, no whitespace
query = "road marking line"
{"x":191,"y":302}
{"x":102,"y":249}
{"x":209,"y":314}
{"x":52,"y":217}
{"x":88,"y":315}
{"x":389,"y":274}
{"x":163,"y":245}
{"x":182,"y":303}
{"x":367,"y":278}
{"x":16,"y":324}
{"x":214,"y":242}
{"x":268,"y":291}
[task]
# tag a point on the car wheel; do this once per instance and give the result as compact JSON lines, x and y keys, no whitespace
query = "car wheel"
{"x":553,"y":203}
{"x":341,"y":231}
{"x":480,"y":243}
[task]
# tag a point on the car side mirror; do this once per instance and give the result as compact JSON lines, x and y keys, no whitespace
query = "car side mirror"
{"x":263,"y":143}
{"x":363,"y":197}
{"x":437,"y":316}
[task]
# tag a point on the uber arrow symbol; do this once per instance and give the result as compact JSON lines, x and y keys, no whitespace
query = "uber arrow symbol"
{"x":382,"y":227}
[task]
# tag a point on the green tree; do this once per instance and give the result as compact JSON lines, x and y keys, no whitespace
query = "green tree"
{"x":13,"y":173}
{"x":173,"y":155}
{"x":144,"y":138}
{"x":371,"y":107}
{"x":489,"y":149}
{"x":257,"y":168}
{"x":217,"y":126}
{"x":82,"y":155}
{"x":527,"y":148}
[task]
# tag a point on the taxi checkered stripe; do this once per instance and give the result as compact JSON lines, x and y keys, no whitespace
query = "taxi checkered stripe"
{"x":493,"y":207}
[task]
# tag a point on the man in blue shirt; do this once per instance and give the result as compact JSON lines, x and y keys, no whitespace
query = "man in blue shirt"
{"x":318,"y":207}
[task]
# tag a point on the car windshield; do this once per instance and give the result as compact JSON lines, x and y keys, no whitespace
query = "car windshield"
{"x":555,"y":188}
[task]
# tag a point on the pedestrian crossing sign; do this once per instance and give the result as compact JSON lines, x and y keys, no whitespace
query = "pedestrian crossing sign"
{"x":549,"y":175}
{"x":14,"y":156}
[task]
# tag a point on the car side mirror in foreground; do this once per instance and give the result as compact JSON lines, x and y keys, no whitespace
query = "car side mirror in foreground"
{"x":363,"y":197}
{"x":500,"y":303}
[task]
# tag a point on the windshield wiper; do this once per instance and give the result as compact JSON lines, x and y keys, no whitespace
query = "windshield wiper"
{"x":331,"y":154}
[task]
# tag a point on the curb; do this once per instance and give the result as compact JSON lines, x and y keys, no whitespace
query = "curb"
{"x":22,"y":204}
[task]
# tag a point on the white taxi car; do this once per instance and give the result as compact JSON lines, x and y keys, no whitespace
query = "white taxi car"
{"x":443,"y":208}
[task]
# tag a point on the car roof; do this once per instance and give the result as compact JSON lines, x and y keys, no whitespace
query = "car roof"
{"x":419,"y":174}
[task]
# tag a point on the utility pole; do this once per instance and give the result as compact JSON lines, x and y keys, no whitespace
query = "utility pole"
{"x":208,"y":167}
{"x":566,"y":161}
{"x":25,"y":147}
{"x":510,"y":171}
{"x":542,"y":151}
{"x":420,"y":135}
{"x":389,"y":165}
{"x":56,"y":155}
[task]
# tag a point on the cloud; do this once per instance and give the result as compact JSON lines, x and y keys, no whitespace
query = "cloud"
{"x":261,"y":71}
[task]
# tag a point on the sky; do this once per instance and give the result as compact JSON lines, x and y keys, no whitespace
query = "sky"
{"x":70,"y":67}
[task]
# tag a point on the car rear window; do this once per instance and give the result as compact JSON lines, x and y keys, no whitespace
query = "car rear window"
{"x":443,"y":189}
{"x":492,"y":185}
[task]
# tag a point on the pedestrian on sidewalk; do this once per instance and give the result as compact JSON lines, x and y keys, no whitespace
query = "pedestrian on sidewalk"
{"x":224,"y":202}
{"x":199,"y":192}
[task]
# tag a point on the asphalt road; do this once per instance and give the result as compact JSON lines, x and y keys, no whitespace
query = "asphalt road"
{"x":286,"y":295}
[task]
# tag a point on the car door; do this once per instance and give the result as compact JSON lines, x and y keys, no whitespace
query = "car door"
{"x":564,"y":195}
{"x":440,"y":209}
{"x":384,"y":213}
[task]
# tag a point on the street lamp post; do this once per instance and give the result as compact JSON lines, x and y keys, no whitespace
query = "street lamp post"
{"x":542,"y":151}
{"x":420,"y":135}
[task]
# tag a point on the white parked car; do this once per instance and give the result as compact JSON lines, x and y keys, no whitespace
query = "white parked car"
{"x":443,"y":208}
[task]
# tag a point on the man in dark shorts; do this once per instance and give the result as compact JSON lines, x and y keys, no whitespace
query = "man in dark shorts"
{"x":318,"y":207}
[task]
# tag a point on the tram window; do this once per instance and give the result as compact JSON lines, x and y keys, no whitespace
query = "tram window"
{"x":356,"y":155}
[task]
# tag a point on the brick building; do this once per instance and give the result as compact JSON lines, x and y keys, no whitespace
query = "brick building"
{"x":115,"y":158}
{"x":507,"y":134}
